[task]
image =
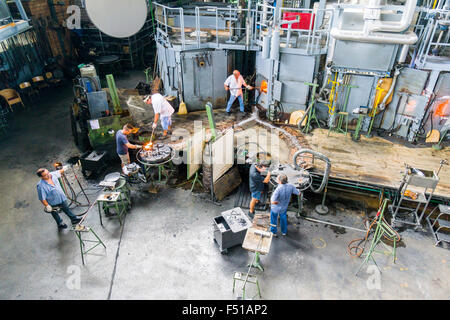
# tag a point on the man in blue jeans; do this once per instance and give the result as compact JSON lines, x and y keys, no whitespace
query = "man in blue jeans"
{"x":256,"y":184}
{"x":163,"y":110}
{"x":52,"y":197}
{"x":234,"y":84}
{"x":279,"y":203}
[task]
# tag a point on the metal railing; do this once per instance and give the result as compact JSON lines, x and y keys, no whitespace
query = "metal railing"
{"x":243,"y":28}
{"x":315,"y":38}
{"x":428,"y":45}
{"x":232,"y":28}
{"x":170,"y":24}
{"x":164,"y":28}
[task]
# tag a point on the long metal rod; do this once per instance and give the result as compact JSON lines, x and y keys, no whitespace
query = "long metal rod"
{"x":333,"y":224}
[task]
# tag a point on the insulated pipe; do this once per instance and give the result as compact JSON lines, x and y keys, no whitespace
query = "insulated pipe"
{"x":383,"y":103}
{"x":264,"y":13}
{"x":398,"y":26}
{"x":275,"y":45}
{"x":403,"y":53}
{"x":265,"y":47}
{"x":248,"y":31}
{"x":376,"y":37}
{"x":319,"y":156}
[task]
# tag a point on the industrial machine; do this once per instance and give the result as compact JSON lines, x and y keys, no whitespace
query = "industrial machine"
{"x":95,"y":115}
{"x":389,"y":58}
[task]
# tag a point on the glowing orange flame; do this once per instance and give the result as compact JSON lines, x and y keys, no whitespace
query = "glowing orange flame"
{"x":148,"y":146}
{"x":442,"y":109}
{"x":264,"y":86}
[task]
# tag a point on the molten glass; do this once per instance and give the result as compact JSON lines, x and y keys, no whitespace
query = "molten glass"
{"x":264,"y":86}
{"x":148,"y":146}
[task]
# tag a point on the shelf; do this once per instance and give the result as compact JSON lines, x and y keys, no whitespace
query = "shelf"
{"x":442,"y":236}
{"x":442,"y":223}
{"x":421,"y":198}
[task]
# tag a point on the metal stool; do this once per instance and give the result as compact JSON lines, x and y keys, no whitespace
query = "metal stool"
{"x":357,"y":134}
{"x":79,"y":229}
{"x":239,"y":276}
{"x":341,"y":116}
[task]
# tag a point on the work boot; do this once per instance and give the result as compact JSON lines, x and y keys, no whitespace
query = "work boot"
{"x":76,"y":221}
{"x":62,"y":226}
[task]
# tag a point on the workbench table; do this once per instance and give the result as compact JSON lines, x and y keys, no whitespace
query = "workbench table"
{"x":113,"y":199}
{"x":253,"y":241}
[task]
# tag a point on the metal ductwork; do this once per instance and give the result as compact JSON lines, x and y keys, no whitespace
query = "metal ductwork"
{"x":376,"y":37}
{"x":373,"y":25}
{"x":395,"y":26}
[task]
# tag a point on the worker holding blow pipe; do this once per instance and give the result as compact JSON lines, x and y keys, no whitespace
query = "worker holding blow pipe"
{"x":234,"y":84}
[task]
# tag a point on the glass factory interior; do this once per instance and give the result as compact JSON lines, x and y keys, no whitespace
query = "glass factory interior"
{"x":241,"y":149}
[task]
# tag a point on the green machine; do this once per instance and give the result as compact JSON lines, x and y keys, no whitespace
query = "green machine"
{"x":102,"y":131}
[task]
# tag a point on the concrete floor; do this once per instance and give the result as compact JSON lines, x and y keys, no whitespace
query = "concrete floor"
{"x":165,"y":249}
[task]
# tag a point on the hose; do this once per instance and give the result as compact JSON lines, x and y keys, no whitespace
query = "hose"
{"x":73,"y":196}
{"x":319,"y":156}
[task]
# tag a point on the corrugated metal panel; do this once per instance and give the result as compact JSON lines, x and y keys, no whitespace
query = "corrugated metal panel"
{"x":294,"y":71}
{"x":443,"y":85}
{"x":202,"y":84}
{"x":262,"y":65}
{"x":364,"y":56}
{"x":411,"y":81}
{"x":358,"y":96}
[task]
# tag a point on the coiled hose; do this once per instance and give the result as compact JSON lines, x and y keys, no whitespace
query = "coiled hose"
{"x":319,"y":156}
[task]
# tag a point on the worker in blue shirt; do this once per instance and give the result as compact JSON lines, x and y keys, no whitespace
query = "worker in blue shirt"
{"x":256,"y":181}
{"x":52,"y":196}
{"x":122,"y":144}
{"x":279,"y":203}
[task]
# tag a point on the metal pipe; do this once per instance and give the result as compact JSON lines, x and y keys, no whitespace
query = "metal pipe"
{"x":265,"y":47}
{"x":248,"y":31}
{"x":377,"y":37}
{"x":264,"y":13}
{"x":397,"y":26}
{"x":403,"y":53}
{"x":332,"y":224}
{"x":319,"y":156}
{"x":275,"y":44}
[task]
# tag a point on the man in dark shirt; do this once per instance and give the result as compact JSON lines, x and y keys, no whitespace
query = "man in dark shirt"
{"x":257,"y":185}
{"x":123,"y":144}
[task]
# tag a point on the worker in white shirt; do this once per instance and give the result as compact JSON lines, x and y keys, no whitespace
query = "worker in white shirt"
{"x":234,"y":83}
{"x":162,"y":109}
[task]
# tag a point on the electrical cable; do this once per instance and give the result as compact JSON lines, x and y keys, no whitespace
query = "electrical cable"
{"x":73,"y":196}
{"x":358,"y":249}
